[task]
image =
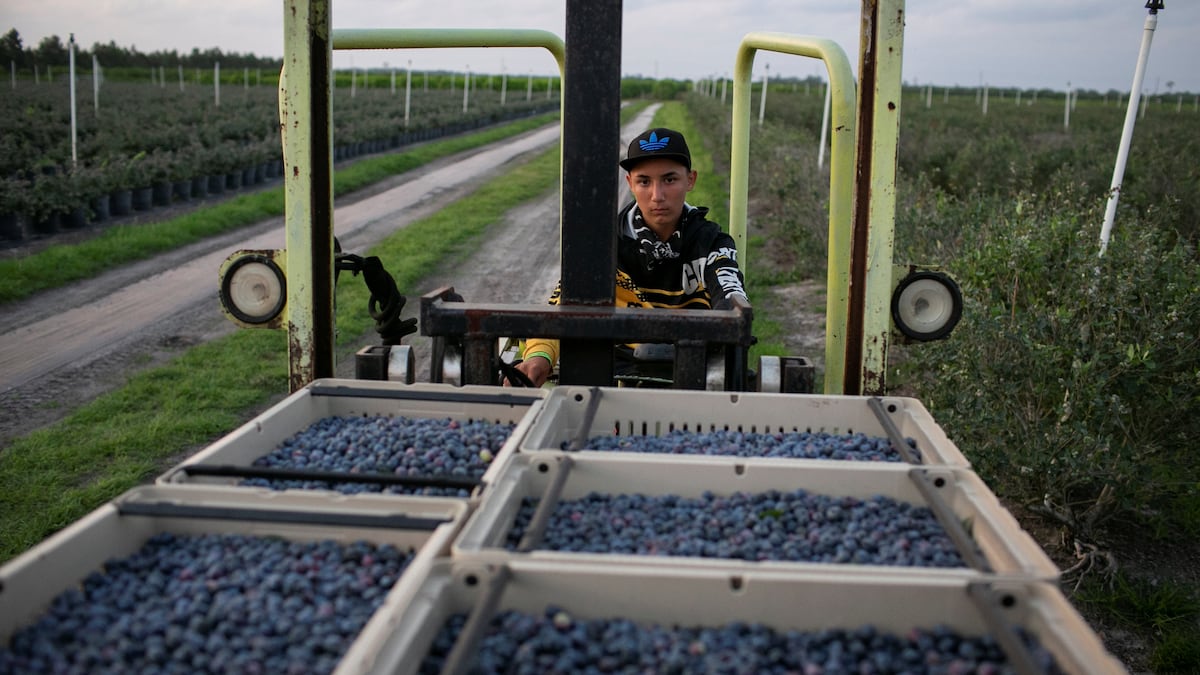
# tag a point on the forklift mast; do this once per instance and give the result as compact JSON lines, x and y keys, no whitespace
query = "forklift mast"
{"x":861,"y":276}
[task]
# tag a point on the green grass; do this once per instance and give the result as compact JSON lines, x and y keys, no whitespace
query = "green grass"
{"x":123,"y":244}
{"x":1165,"y":610}
{"x":54,"y":476}
{"x":1140,"y":603}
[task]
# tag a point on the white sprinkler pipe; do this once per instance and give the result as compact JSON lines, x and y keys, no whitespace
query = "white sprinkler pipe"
{"x":95,"y":85}
{"x":407,"y":93}
{"x":1135,"y":93}
{"x":74,"y":126}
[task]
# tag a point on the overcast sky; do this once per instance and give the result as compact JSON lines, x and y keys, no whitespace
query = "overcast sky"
{"x":1093,"y":44}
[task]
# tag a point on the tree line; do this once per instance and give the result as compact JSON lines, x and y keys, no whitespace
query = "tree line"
{"x":53,"y":51}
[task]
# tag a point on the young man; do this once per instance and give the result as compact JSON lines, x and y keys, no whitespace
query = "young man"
{"x":668,"y":254}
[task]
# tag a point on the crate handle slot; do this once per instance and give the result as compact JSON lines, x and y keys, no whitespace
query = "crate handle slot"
{"x":395,"y":521}
{"x":460,"y":658}
{"x":279,"y":473}
{"x":945,"y":515}
{"x":589,"y":418}
{"x":893,"y":433}
{"x":541,"y":517}
{"x":985,"y":598}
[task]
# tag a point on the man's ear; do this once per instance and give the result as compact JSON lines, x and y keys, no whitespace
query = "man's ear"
{"x":691,"y":180}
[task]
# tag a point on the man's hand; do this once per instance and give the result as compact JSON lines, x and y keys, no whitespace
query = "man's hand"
{"x":536,"y":368}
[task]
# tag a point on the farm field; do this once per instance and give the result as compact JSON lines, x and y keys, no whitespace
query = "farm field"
{"x":1070,"y":381}
{"x":139,"y":146}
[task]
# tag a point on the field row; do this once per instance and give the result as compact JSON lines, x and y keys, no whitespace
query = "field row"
{"x":151,"y":146}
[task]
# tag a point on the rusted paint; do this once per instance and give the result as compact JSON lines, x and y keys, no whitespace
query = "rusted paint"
{"x":873,"y":380}
{"x":297,"y":360}
{"x":852,"y":373}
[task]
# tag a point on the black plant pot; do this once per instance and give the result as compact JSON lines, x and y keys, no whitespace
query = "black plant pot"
{"x":160,"y":193}
{"x":76,"y":218}
{"x":216,"y":184}
{"x":143,"y":198}
{"x":101,"y":208}
{"x":182,"y":189}
{"x":48,"y":225}
{"x":122,"y":202}
{"x":12,"y":227}
{"x":233,"y":180}
{"x":199,"y":187}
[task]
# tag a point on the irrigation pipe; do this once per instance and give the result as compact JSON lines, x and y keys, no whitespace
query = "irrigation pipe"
{"x":1135,"y":93}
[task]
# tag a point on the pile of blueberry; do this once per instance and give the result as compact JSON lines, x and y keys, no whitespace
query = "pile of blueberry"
{"x":212,"y":604}
{"x":785,"y":445}
{"x":558,"y":643}
{"x":792,"y":526}
{"x":393,"y":446}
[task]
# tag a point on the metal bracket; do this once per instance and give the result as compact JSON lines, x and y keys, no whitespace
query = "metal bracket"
{"x":479,"y":326}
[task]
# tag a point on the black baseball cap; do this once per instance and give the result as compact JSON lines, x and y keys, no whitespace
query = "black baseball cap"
{"x":658,"y":143}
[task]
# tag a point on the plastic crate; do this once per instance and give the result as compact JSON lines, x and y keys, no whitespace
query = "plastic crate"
{"x":706,"y":597}
{"x":1000,"y":546}
{"x":338,"y":397}
{"x":573,"y":414}
{"x":31,"y":581}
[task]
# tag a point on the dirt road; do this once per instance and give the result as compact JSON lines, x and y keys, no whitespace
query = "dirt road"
{"x":62,"y":348}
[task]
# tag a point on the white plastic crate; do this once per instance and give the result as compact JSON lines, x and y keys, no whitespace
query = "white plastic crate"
{"x":118,"y":529}
{"x":1001,"y":546}
{"x":809,"y":601}
{"x":367,"y":398}
{"x":565,"y":415}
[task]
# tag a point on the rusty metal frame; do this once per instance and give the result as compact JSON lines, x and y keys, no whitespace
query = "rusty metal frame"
{"x":480,"y":325}
{"x":869,"y":313}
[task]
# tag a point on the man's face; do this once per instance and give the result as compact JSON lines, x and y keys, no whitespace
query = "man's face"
{"x":660,"y":187}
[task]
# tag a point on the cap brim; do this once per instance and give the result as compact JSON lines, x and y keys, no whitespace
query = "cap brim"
{"x":630,"y":162}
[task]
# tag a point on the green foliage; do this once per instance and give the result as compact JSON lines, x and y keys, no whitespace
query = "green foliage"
{"x":143,"y":134}
{"x":52,"y":50}
{"x":59,"y":265}
{"x":1171,"y":612}
{"x":1073,"y":378}
{"x":957,"y":149}
{"x":1177,"y":652}
{"x":648,"y":88}
{"x":1161,"y":605}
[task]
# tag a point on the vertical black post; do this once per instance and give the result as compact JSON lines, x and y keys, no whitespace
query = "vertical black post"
{"x":324,"y":324}
{"x":591,"y":136}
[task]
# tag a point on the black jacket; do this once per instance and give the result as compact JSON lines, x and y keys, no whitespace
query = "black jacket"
{"x":702,"y":276}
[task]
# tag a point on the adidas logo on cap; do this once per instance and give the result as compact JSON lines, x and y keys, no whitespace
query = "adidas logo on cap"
{"x":658,"y":143}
